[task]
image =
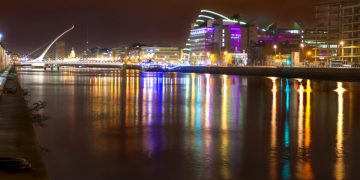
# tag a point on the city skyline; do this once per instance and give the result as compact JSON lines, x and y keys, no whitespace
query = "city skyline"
{"x":111,"y":24}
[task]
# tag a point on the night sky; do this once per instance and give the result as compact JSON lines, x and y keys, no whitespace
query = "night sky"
{"x":29,"y":24}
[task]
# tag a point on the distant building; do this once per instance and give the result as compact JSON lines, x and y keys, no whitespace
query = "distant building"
{"x":72,"y":54}
{"x":60,"y":50}
{"x":121,"y":53}
{"x":162,"y":53}
{"x":100,"y":53}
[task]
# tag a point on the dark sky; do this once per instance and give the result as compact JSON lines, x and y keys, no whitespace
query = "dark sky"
{"x":27,"y":24}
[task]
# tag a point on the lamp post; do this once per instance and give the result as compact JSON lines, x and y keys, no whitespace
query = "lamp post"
{"x":208,"y":57}
{"x":342,"y":50}
{"x":225,"y":57}
{"x":302,"y":45}
{"x":275,"y":48}
{"x":308,"y":55}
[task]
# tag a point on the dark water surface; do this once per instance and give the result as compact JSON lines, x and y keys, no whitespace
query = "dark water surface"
{"x":108,"y":124}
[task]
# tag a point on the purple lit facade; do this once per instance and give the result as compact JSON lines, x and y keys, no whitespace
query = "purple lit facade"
{"x":215,"y":40}
{"x":280,"y":36}
{"x":235,"y":38}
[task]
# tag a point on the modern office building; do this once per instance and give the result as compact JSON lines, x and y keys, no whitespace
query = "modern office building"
{"x":350,"y":33}
{"x":216,"y":39}
{"x":326,"y":32}
{"x":335,"y":35}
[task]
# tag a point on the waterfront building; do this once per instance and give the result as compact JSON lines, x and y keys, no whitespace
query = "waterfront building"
{"x":4,"y":58}
{"x":324,"y":37}
{"x":286,"y":40}
{"x":134,"y":53}
{"x":335,"y":35}
{"x":281,"y":36}
{"x":161,"y":53}
{"x":350,"y":33}
{"x":60,"y":50}
{"x":121,"y":53}
{"x":214,"y":38}
{"x":102,"y":54}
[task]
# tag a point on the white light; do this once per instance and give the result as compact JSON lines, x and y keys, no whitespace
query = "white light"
{"x":204,"y":16}
{"x":1,"y":36}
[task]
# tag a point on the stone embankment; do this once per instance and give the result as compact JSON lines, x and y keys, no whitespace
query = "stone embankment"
{"x":17,"y":135}
{"x":341,"y":74}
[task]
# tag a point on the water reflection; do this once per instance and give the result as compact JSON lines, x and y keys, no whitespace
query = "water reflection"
{"x":136,"y":125}
{"x":340,"y":165}
{"x":273,"y":159}
{"x":304,"y":168}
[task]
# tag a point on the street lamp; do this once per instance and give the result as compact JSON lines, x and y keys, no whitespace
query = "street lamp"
{"x":342,"y":50}
{"x":308,"y":54}
{"x":275,"y":48}
{"x":302,"y":45}
{"x":208,"y":56}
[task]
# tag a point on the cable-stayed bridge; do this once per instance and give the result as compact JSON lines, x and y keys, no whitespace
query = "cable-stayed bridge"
{"x":40,"y":62}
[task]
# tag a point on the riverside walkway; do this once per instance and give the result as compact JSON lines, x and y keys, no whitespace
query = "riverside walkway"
{"x":17,"y":135}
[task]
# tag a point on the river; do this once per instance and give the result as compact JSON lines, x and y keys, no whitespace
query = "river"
{"x":112,"y":124}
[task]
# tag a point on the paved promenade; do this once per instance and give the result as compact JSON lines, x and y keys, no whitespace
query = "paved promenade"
{"x":17,"y":135}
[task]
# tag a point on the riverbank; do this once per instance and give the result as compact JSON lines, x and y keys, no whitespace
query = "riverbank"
{"x":341,"y":74}
{"x":17,"y":135}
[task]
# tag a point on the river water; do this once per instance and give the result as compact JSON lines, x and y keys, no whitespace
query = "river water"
{"x":111,"y":124}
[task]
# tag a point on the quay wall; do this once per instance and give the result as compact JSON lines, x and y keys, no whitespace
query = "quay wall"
{"x":347,"y":74}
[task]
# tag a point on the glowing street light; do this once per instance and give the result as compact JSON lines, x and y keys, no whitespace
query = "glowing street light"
{"x":302,"y":45}
{"x":1,"y":36}
{"x":275,"y":48}
{"x":342,"y":49}
{"x":341,"y":43}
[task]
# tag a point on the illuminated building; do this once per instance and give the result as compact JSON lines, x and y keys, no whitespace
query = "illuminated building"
{"x":213,"y":34}
{"x":121,"y":53}
{"x":4,"y":58}
{"x":325,"y":35}
{"x":350,"y":33}
{"x":287,"y":41}
{"x":162,"y":53}
{"x":72,"y":54}
{"x":335,"y":35}
{"x":281,"y":36}
{"x":98,"y":52}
